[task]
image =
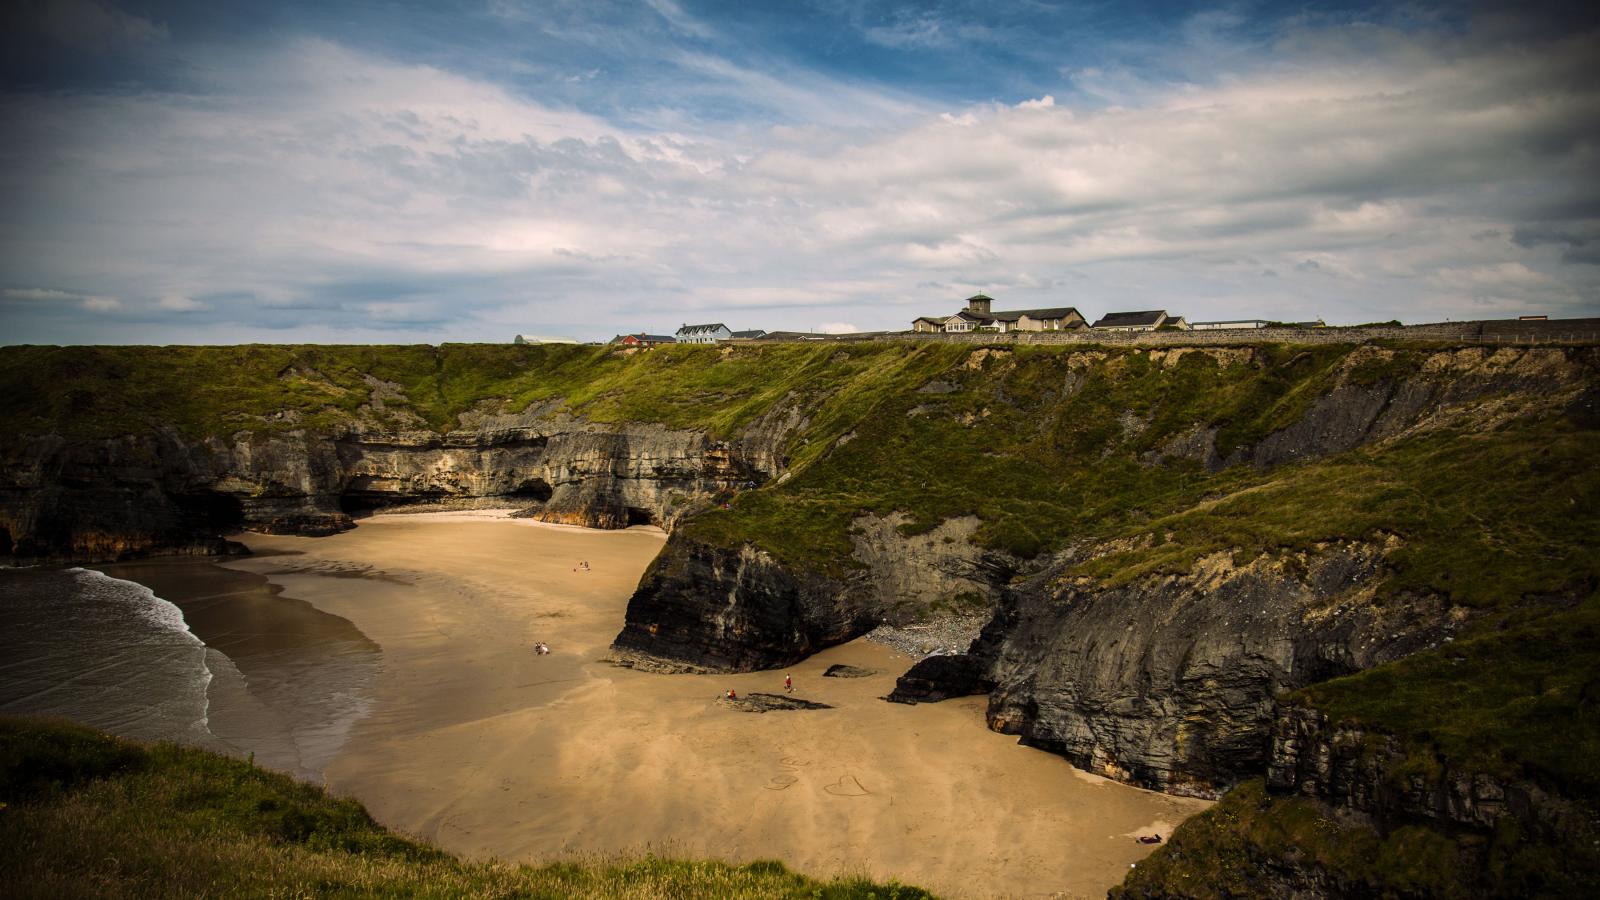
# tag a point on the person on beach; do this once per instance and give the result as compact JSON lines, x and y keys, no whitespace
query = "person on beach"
{"x":733,"y":694}
{"x":788,"y":684}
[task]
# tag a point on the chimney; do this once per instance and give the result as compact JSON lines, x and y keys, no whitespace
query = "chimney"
{"x":978,"y":303}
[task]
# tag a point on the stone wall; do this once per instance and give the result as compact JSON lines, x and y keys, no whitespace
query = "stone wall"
{"x":1489,"y":333}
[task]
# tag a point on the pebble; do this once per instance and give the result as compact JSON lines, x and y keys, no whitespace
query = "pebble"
{"x":936,"y":637}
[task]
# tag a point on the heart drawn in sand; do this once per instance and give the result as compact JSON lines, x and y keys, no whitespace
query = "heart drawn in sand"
{"x":847,"y":786}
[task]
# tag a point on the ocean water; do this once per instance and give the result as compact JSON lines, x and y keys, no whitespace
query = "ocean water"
{"x":82,"y":645}
{"x":187,"y":651}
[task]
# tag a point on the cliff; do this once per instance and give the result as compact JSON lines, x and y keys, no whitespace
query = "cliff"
{"x":1170,"y":541}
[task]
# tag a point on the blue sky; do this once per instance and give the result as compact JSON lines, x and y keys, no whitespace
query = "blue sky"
{"x":215,"y":172}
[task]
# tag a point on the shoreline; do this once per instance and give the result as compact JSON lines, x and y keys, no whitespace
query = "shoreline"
{"x":479,"y":746}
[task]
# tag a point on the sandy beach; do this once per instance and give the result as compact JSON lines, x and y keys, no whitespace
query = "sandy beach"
{"x":478,"y":744}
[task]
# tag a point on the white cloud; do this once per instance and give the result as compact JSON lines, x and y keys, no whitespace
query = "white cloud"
{"x":918,"y":30}
{"x":40,"y":294}
{"x":91,"y":302}
{"x":677,"y":18}
{"x":835,"y":328}
{"x":180,"y":303}
{"x":320,"y":188}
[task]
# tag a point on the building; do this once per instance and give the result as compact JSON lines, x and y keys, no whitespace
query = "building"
{"x":1146,"y":320}
{"x":541,"y":339}
{"x":754,"y":334}
{"x":703,"y":334}
{"x":643,"y":340}
{"x":1229,"y":325}
{"x":979,"y":317}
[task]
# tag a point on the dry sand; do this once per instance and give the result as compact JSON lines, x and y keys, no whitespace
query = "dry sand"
{"x":483,"y":747}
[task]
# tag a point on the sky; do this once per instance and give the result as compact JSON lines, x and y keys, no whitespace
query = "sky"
{"x":421,"y":172}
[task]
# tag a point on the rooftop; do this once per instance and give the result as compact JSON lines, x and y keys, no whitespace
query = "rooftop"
{"x":1127,"y":319}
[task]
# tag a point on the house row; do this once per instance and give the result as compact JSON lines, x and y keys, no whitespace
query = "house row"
{"x":980,"y":316}
{"x":709,"y":333}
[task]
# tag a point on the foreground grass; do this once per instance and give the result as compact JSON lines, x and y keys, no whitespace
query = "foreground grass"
{"x":83,"y":814}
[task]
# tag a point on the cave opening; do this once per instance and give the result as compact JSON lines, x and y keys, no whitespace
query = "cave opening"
{"x":638,"y":516}
{"x":364,"y":503}
{"x":211,"y":510}
{"x":532,"y":489}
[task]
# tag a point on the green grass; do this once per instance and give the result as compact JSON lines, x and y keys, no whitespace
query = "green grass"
{"x":1521,"y":700}
{"x":1486,"y":518}
{"x":82,"y":814}
{"x":1243,"y":846}
{"x":98,"y":392}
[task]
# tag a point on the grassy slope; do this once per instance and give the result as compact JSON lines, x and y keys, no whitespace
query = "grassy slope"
{"x":82,"y":814}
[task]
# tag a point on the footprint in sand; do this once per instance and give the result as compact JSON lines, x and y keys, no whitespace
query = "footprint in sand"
{"x":847,"y":786}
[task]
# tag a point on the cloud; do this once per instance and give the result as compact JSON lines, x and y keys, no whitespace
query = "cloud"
{"x":307,"y":185}
{"x":92,"y":25}
{"x":922,"y":30}
{"x":39,"y":294}
{"x":180,"y":303}
{"x":55,"y":298}
{"x":680,"y":20}
{"x":835,"y":328}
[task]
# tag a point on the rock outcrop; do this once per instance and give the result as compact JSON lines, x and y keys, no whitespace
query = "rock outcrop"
{"x":1353,"y":769}
{"x":161,"y":492}
{"x":1169,"y":682}
{"x":707,"y":608}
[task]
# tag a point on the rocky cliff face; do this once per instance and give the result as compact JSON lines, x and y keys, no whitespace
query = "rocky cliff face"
{"x":1372,"y":774}
{"x":705,"y":608}
{"x":96,"y":500}
{"x":1169,"y":682}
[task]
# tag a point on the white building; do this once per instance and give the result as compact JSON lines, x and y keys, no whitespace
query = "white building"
{"x":703,"y":334}
{"x":1146,"y":320}
{"x":1229,"y":325}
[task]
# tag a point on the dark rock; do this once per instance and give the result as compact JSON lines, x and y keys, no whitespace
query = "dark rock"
{"x":764,"y":616}
{"x":940,"y":678}
{"x":760,"y":703}
{"x":1169,"y":682}
{"x":839,"y":670}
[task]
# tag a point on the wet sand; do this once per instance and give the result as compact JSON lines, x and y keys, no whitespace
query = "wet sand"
{"x":481,"y":746}
{"x":288,"y":680}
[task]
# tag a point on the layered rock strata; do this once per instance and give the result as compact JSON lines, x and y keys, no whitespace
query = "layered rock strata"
{"x":161,"y":492}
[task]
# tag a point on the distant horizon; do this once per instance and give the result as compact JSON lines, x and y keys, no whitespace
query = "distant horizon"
{"x":460,"y":173}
